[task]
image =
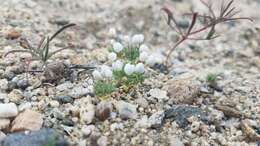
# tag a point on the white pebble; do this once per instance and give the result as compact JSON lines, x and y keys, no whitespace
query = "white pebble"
{"x":102,"y":141}
{"x":118,"y":65}
{"x":8,"y":110}
{"x":112,"y":56}
{"x":116,"y":126}
{"x":118,"y":47}
{"x":139,"y":68}
{"x":86,"y":130}
{"x":24,"y":106}
{"x":129,"y":69}
{"x":54,"y":103}
{"x":137,"y":39}
{"x":97,"y":75}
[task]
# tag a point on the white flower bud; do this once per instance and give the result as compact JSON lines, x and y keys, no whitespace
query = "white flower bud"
{"x":137,"y":39}
{"x":97,"y":75}
{"x":106,"y":71}
{"x":144,"y":48}
{"x":143,"y":56}
{"x":112,"y":32}
{"x":112,"y":56}
{"x":112,"y":41}
{"x":129,"y":69}
{"x":118,"y":65}
{"x":126,"y":39}
{"x":139,"y":68}
{"x":118,"y":47}
{"x":151,"y":60}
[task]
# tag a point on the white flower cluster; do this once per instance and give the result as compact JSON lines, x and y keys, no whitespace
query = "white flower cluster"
{"x":118,"y":64}
{"x":104,"y":72}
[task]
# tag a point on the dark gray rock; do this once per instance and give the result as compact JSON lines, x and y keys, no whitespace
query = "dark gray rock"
{"x":156,"y":119}
{"x":23,"y":84}
{"x":64,"y":99}
{"x":43,"y":137}
{"x":180,"y":113}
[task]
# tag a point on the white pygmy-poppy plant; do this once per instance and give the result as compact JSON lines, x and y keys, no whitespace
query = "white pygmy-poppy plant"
{"x":97,"y":75}
{"x":143,"y":48}
{"x":118,"y":65}
{"x":129,"y":69}
{"x":150,"y":60}
{"x":106,"y":71}
{"x":137,"y":39}
{"x":112,"y":56}
{"x":118,"y":47}
{"x":139,"y":68}
{"x":143,"y":56}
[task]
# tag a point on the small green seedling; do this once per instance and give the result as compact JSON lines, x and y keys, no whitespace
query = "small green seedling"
{"x":42,"y":51}
{"x":127,"y":80}
{"x":103,"y":88}
{"x":131,"y":54}
{"x":211,"y":78}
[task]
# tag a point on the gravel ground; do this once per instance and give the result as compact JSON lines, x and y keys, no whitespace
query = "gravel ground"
{"x":176,"y":109}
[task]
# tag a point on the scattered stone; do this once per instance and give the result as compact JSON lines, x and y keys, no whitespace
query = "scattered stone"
{"x":15,"y":96}
{"x":178,"y":71}
{"x":156,"y":119}
{"x":229,"y":111}
{"x":78,"y":92}
{"x":195,"y":126}
{"x":115,"y":126}
{"x":174,"y":141}
{"x":88,"y":114}
{"x":27,"y":120}
{"x":249,"y":132}
{"x":143,"y":122}
{"x":181,"y":113}
{"x":13,"y":34}
{"x":2,"y":136}
{"x":86,"y":130}
{"x":159,"y":94}
{"x":216,"y":115}
{"x":3,"y":96}
{"x":103,"y":110}
{"x":64,"y":86}
{"x":23,"y":84}
{"x":24,"y":106}
{"x":183,"y":90}
{"x":142,"y":102}
{"x":102,"y":141}
{"x":206,"y":89}
{"x":161,"y":68}
{"x":54,"y":72}
{"x":4,"y":123}
{"x":67,"y":121}
{"x":64,"y":99}
{"x":3,"y":84}
{"x":126,"y":110}
{"x":8,"y":110}
{"x":37,"y":138}
{"x":54,"y":103}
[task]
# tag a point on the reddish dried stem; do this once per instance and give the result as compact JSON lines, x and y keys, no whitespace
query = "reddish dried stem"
{"x":210,"y":21}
